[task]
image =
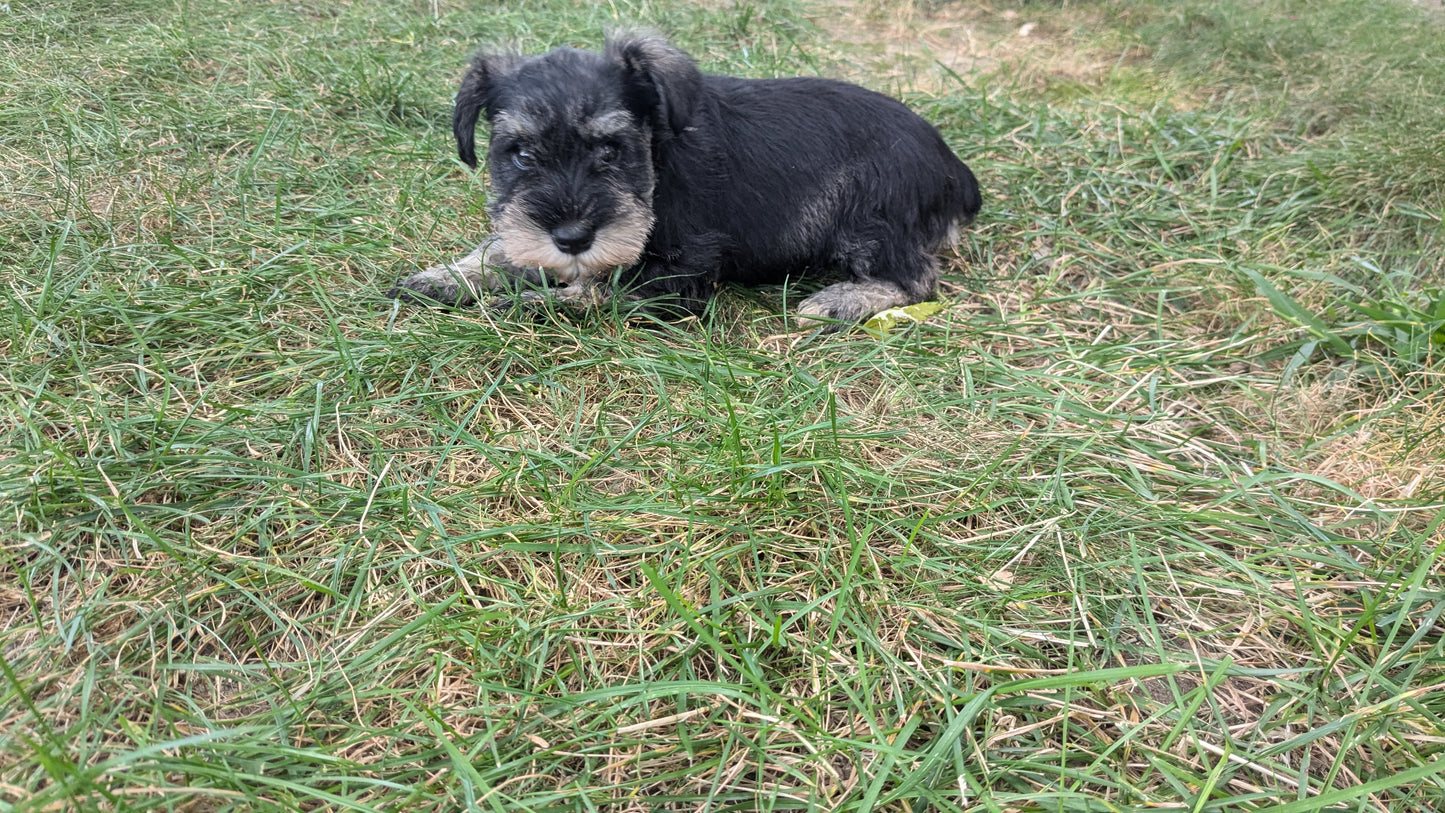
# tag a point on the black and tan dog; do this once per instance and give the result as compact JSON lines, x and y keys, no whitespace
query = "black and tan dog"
{"x":633,"y":158}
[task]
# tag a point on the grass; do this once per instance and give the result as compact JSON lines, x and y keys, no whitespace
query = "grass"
{"x":1149,"y":516}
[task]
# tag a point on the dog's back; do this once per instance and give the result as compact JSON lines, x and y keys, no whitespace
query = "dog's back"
{"x":801,"y":174}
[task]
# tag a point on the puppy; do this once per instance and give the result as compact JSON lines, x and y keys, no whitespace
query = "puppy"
{"x":633,"y":159}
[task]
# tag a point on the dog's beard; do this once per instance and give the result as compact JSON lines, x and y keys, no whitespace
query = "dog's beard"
{"x":528,"y":245}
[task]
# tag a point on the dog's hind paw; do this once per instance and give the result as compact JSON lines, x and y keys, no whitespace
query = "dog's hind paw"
{"x":847,"y":303}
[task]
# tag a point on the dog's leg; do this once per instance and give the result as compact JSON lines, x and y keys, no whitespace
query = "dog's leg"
{"x":679,"y":286}
{"x":578,"y":296}
{"x":460,"y":283}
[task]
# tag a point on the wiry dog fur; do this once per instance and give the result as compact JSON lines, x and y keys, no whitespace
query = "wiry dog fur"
{"x":633,"y":158}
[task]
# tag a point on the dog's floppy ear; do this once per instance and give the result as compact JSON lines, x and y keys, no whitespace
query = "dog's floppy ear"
{"x":474,"y":96}
{"x":662,"y":80}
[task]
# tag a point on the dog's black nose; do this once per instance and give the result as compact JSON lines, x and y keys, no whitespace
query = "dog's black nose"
{"x":573,"y":238}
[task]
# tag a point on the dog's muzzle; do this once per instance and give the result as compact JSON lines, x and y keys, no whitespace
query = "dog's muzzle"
{"x":576,"y":250}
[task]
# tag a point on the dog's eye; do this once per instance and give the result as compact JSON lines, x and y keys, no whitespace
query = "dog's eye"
{"x":607,"y":153}
{"x":524,"y":159}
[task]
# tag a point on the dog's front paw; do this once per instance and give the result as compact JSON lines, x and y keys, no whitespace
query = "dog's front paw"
{"x":526,"y":303}
{"x":438,"y":285}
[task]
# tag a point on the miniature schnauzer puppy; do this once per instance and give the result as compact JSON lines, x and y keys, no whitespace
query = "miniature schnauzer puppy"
{"x":633,"y":159}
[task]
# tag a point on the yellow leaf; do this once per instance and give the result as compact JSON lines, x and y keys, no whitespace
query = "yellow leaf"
{"x":885,"y":321}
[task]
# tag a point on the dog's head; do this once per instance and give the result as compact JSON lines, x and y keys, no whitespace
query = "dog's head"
{"x":571,"y":152}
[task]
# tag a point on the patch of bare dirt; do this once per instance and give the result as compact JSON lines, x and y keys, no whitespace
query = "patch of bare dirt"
{"x":915,"y":45}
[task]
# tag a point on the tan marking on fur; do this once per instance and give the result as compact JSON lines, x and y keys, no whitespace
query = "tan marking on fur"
{"x":514,"y":124}
{"x":620,"y":242}
{"x":607,"y":124}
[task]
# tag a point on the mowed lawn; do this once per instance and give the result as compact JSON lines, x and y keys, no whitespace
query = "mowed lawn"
{"x":1149,"y":516}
